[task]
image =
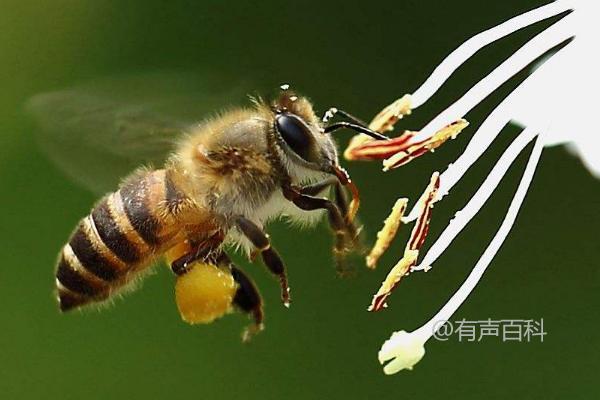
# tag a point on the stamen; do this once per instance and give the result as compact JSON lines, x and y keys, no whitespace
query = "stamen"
{"x":392,"y":280}
{"x":481,"y":140}
{"x":421,"y":228}
{"x":387,"y":118}
{"x":383,"y":122}
{"x":405,"y":349}
{"x":387,"y":233}
{"x":403,"y":149}
{"x":464,"y":216}
{"x":467,"y":287}
{"x":415,"y":150}
{"x":377,"y":150}
{"x":536,"y":47}
{"x":411,"y":252}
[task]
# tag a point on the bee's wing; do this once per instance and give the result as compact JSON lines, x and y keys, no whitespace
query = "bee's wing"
{"x":99,"y":132}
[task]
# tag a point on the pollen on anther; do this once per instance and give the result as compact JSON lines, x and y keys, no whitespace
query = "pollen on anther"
{"x":387,"y":233}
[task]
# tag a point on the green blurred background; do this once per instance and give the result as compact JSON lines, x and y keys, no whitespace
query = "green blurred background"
{"x":356,"y":55}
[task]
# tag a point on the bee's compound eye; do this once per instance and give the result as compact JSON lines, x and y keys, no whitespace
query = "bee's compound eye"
{"x":296,"y":134}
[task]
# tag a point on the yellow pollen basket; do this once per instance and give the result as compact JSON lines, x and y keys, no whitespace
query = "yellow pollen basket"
{"x":204,"y":293}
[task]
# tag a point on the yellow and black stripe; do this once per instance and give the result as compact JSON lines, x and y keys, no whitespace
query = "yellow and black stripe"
{"x":137,"y":205}
{"x":122,"y":234}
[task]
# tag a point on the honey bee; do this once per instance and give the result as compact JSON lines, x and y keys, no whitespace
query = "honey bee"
{"x":225,"y":179}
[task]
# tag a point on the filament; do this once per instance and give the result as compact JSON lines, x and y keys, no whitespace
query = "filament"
{"x":544,"y":41}
{"x":484,"y":192}
{"x":467,"y":287}
{"x":465,"y":51}
{"x":485,"y":135}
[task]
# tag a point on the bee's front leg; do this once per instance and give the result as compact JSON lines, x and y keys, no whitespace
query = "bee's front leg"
{"x":318,"y":187}
{"x":345,"y":233}
{"x":270,"y":257}
{"x":340,"y":201}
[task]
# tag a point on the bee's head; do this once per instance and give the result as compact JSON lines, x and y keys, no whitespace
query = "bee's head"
{"x":307,"y":143}
{"x":300,"y":135}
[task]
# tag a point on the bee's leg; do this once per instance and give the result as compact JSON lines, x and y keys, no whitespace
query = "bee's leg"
{"x":185,"y":253}
{"x":247,"y":298}
{"x":270,"y":257}
{"x":319,"y":187}
{"x":179,"y":266}
{"x":249,"y":301}
{"x":340,"y":200}
{"x":337,"y":221}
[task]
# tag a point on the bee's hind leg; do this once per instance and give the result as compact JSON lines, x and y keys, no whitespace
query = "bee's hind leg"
{"x":181,"y":256}
{"x":247,"y":298}
{"x":270,"y":257}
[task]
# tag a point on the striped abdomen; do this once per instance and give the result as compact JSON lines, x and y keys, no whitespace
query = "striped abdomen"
{"x":122,"y":235}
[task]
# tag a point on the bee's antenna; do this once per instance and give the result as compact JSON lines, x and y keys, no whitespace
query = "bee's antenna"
{"x":333,"y":111}
{"x":356,"y":128}
{"x":355,"y":124}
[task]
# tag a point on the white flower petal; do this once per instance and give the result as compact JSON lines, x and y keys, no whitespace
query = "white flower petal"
{"x":589,"y":153}
{"x":561,"y":96}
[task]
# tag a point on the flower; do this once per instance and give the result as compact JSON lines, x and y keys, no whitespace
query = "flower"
{"x":554,"y":105}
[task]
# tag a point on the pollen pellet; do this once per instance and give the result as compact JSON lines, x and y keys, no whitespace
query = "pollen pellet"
{"x":204,"y":293}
